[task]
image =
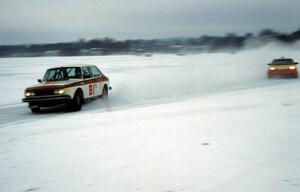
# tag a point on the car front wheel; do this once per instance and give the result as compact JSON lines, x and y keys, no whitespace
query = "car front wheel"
{"x":35,"y":109}
{"x":76,"y":102}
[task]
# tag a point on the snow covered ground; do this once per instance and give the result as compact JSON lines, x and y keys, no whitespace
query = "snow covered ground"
{"x":209,"y":122}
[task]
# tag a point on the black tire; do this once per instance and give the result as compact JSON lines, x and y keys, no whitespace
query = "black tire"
{"x":77,"y":101}
{"x":35,"y":109}
{"x":270,"y":76}
{"x":295,"y":76}
{"x":104,"y":93}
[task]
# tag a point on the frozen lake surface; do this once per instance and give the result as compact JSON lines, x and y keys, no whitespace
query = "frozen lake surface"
{"x":209,"y":122}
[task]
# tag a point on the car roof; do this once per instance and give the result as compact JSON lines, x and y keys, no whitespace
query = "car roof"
{"x":282,"y":61}
{"x":73,"y":65}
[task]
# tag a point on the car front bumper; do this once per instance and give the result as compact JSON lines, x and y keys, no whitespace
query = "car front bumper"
{"x":283,"y":72}
{"x":46,"y":101}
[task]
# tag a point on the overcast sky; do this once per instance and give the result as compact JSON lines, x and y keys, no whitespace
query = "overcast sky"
{"x":40,"y":21}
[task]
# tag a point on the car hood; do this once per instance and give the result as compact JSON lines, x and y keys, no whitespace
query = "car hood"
{"x":280,"y":66}
{"x":53,"y":84}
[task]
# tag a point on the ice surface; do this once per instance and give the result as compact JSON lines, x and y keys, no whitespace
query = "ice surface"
{"x":210,"y":122}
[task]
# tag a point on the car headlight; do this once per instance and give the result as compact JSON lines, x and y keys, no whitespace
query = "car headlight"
{"x":29,"y":93}
{"x":272,"y":68}
{"x":60,"y":91}
{"x":292,"y":67}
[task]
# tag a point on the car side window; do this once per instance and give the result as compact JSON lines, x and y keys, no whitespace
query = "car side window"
{"x":73,"y":72}
{"x":55,"y":74}
{"x":86,"y":73}
{"x":95,"y":71}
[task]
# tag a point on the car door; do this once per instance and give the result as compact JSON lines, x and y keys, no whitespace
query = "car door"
{"x":90,"y":84}
{"x":97,"y":76}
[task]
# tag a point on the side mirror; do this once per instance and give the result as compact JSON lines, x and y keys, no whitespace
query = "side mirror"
{"x":296,"y":63}
{"x":39,"y":80}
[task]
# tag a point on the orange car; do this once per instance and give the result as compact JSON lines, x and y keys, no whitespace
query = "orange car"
{"x":283,"y":67}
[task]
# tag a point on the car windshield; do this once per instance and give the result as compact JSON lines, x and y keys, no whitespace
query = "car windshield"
{"x":62,"y":73}
{"x":283,"y":61}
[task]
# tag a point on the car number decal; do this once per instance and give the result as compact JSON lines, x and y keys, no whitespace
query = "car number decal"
{"x":92,"y":88}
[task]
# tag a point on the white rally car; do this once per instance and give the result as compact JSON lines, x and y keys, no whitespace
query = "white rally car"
{"x":69,"y":85}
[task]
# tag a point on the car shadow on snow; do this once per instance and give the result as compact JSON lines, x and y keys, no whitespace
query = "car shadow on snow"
{"x":89,"y":105}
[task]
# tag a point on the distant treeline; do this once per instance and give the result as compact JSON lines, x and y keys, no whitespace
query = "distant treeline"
{"x":107,"y":46}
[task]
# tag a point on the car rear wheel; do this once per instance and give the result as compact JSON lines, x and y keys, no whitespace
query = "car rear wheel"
{"x":104,"y":93}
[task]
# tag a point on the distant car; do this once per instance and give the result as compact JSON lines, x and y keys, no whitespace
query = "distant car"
{"x":283,"y":67}
{"x":69,"y":85}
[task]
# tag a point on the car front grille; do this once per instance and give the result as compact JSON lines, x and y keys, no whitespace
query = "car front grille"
{"x":44,"y":92}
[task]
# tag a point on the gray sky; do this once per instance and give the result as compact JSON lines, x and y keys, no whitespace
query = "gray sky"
{"x":40,"y":21}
